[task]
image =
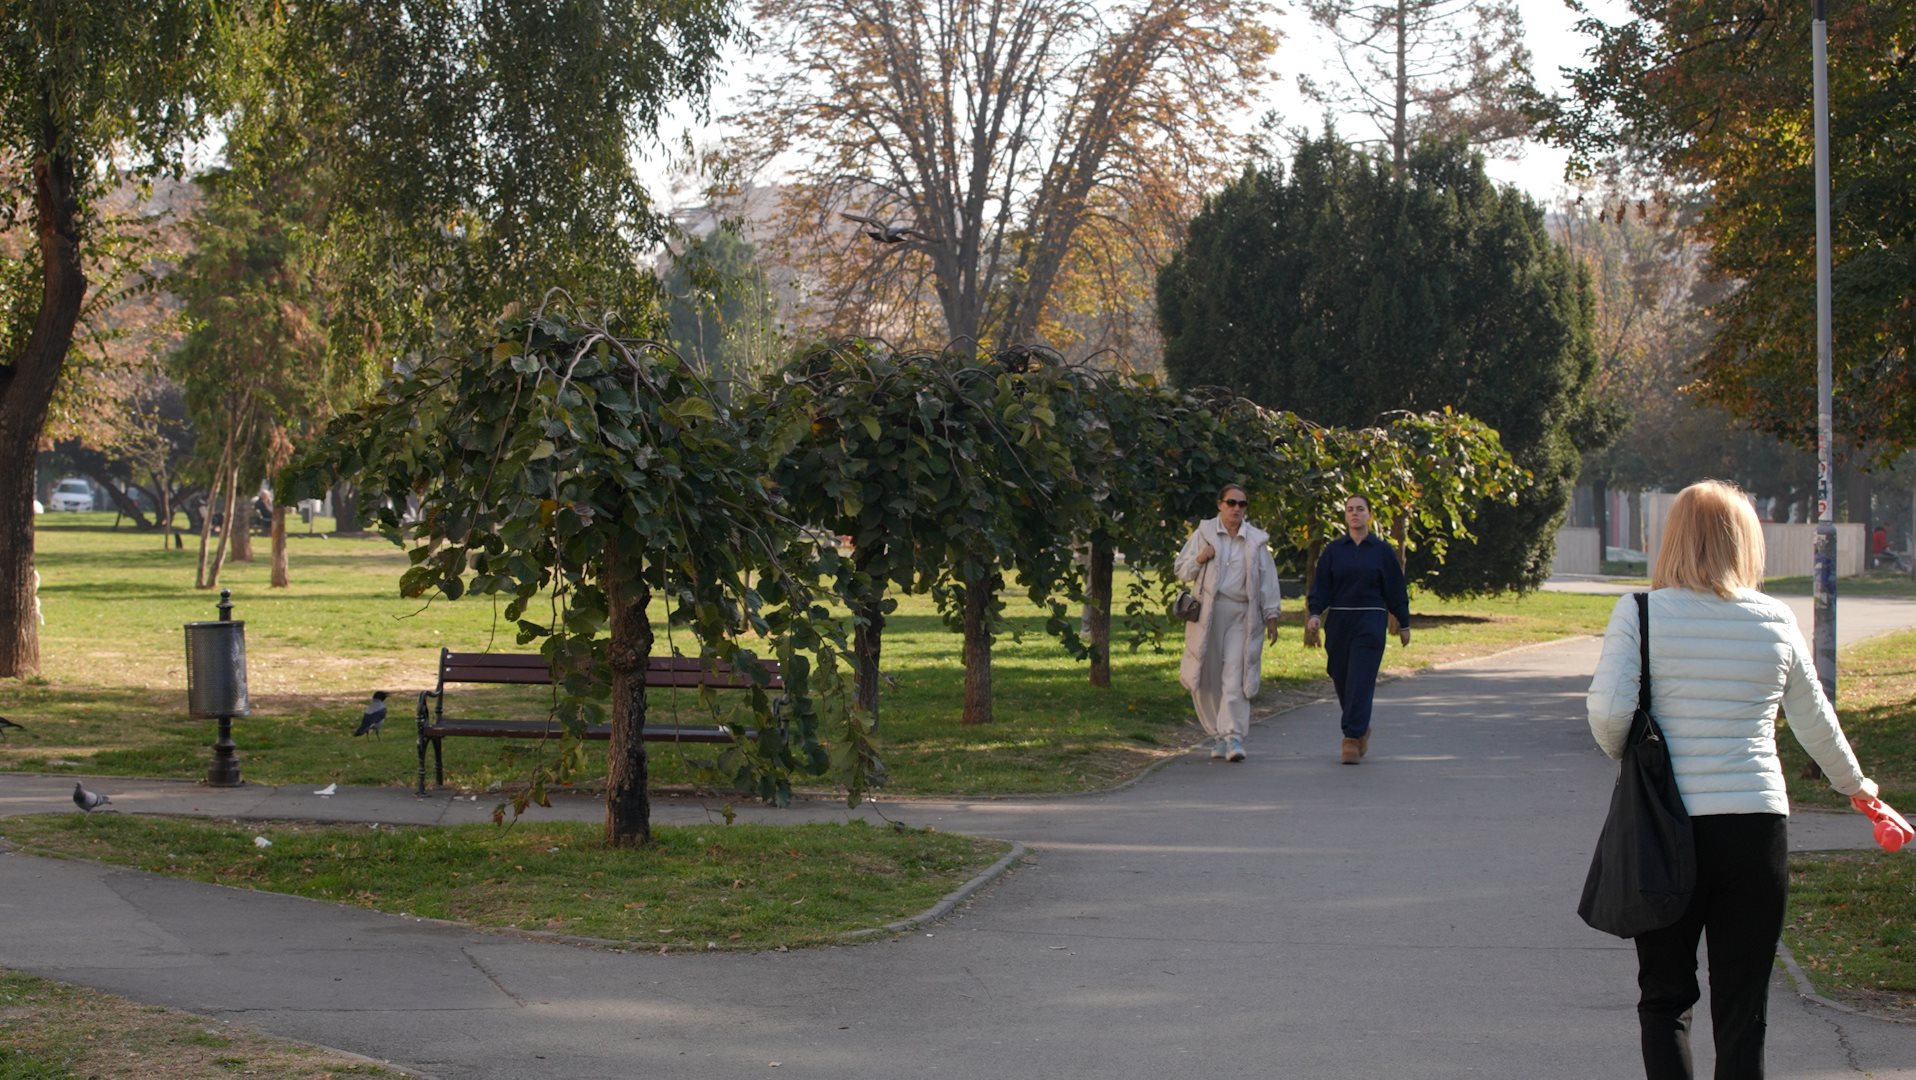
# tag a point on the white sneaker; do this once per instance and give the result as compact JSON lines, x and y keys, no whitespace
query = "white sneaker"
{"x":1218,"y":748}
{"x":1236,"y":750}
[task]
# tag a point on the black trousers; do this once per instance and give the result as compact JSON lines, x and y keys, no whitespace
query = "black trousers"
{"x":1354,"y":650}
{"x":1742,"y":885}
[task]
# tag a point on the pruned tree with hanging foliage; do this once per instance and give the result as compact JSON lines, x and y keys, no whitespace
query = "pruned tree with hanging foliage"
{"x":946,"y":472}
{"x":587,"y":478}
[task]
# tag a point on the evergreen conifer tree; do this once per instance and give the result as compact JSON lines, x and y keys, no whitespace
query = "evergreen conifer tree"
{"x":1340,"y":293}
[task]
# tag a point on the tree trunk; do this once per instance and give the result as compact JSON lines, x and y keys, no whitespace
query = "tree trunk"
{"x":345,"y":509}
{"x":628,"y":815}
{"x":26,"y":389}
{"x":231,"y":482}
{"x":240,"y":525}
{"x":163,"y":498}
{"x":1400,"y":123}
{"x":867,"y":639}
{"x":979,"y":593}
{"x":121,"y":500}
{"x":281,"y":578}
{"x":1097,"y":594}
{"x":866,"y":643}
{"x":206,"y":528}
{"x":215,"y":493}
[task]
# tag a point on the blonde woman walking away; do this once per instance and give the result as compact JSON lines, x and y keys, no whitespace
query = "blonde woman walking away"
{"x":1724,"y":657}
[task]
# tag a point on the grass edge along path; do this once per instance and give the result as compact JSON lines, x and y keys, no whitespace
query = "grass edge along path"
{"x":59,"y":1031}
{"x":697,"y":887}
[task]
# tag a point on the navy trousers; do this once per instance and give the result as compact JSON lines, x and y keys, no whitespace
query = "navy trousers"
{"x":1355,"y":642}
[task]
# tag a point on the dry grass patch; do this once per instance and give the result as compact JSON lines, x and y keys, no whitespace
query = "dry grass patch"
{"x":56,"y":1031}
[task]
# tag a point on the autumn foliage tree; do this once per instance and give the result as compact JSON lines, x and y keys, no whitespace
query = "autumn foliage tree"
{"x":1715,"y":98}
{"x":991,"y":146}
{"x":86,"y":87}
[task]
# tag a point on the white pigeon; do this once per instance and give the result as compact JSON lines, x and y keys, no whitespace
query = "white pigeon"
{"x":261,"y":841}
{"x":329,"y":789}
{"x":88,"y":800}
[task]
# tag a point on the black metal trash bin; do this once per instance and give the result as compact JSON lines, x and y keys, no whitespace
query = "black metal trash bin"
{"x":216,"y":684}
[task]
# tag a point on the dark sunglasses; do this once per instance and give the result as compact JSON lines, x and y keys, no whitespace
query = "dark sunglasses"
{"x":1237,"y":502}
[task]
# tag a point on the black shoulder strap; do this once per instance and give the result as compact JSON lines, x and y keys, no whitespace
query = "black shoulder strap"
{"x":1643,"y":650}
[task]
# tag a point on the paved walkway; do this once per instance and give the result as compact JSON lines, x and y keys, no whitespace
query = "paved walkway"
{"x":1287,"y":917}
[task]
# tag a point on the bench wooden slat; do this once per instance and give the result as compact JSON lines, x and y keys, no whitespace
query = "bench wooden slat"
{"x":527,"y":669}
{"x":540,"y":729}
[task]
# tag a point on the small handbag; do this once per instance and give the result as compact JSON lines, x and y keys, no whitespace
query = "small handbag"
{"x":1187,"y":606}
{"x":1644,"y":869}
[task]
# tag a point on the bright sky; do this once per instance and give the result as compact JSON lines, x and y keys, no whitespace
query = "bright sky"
{"x":1548,"y":29}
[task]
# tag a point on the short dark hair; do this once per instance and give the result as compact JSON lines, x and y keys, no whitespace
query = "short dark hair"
{"x":1228,"y":488}
{"x":1362,"y":496}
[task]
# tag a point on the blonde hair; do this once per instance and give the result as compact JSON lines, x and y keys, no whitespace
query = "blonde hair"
{"x":1712,"y":541}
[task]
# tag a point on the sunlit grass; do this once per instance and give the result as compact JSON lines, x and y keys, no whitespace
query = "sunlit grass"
{"x":112,"y":697}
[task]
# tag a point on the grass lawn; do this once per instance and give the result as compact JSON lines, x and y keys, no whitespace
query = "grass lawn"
{"x":1852,"y":920}
{"x":54,"y":1031}
{"x":741,"y":886}
{"x":112,"y":696}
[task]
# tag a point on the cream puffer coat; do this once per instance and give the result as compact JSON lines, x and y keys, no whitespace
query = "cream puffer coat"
{"x":1718,"y":671}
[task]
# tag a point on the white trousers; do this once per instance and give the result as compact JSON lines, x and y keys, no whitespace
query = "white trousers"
{"x":1219,"y":697}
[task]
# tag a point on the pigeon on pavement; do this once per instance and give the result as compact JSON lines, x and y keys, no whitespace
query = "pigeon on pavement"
{"x":375,"y":717}
{"x":7,"y":725}
{"x":88,"y":800}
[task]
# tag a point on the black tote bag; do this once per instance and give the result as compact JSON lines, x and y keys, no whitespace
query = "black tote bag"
{"x":1644,"y":870}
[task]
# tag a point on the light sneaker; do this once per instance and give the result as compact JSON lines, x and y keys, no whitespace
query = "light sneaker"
{"x":1363,"y":744}
{"x":1217,"y":749}
{"x":1236,"y":750}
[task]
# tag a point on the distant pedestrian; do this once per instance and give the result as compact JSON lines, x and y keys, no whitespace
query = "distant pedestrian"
{"x":1725,"y":656}
{"x":1234,"y":577}
{"x":1358,"y":588}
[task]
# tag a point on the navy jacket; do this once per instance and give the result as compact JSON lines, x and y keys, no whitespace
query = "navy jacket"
{"x":1366,"y":575}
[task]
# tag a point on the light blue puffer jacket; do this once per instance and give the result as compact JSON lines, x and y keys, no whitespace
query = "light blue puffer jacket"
{"x":1718,"y":671}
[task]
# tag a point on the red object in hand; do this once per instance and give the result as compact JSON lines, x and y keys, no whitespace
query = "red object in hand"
{"x":1892,"y":832}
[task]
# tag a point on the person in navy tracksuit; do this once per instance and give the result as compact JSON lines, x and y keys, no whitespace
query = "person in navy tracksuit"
{"x":1360,"y":581}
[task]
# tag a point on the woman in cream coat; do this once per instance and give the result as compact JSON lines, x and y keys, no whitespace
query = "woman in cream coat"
{"x":1723,"y":657}
{"x":1236,"y":584}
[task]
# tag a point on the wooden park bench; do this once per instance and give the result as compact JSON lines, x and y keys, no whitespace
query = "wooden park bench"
{"x":532,"y":669}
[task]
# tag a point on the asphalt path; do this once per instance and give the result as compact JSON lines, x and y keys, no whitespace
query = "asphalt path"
{"x":1287,"y":917}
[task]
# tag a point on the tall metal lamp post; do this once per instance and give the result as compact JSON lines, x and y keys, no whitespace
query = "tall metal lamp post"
{"x":1824,"y":587}
{"x":216,"y":684}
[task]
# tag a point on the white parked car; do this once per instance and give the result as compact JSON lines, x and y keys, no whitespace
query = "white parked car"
{"x":72,"y":494}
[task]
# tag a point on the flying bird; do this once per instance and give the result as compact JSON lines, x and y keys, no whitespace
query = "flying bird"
{"x":885,"y":233}
{"x":374,"y":718}
{"x":88,"y":800}
{"x":7,"y":725}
